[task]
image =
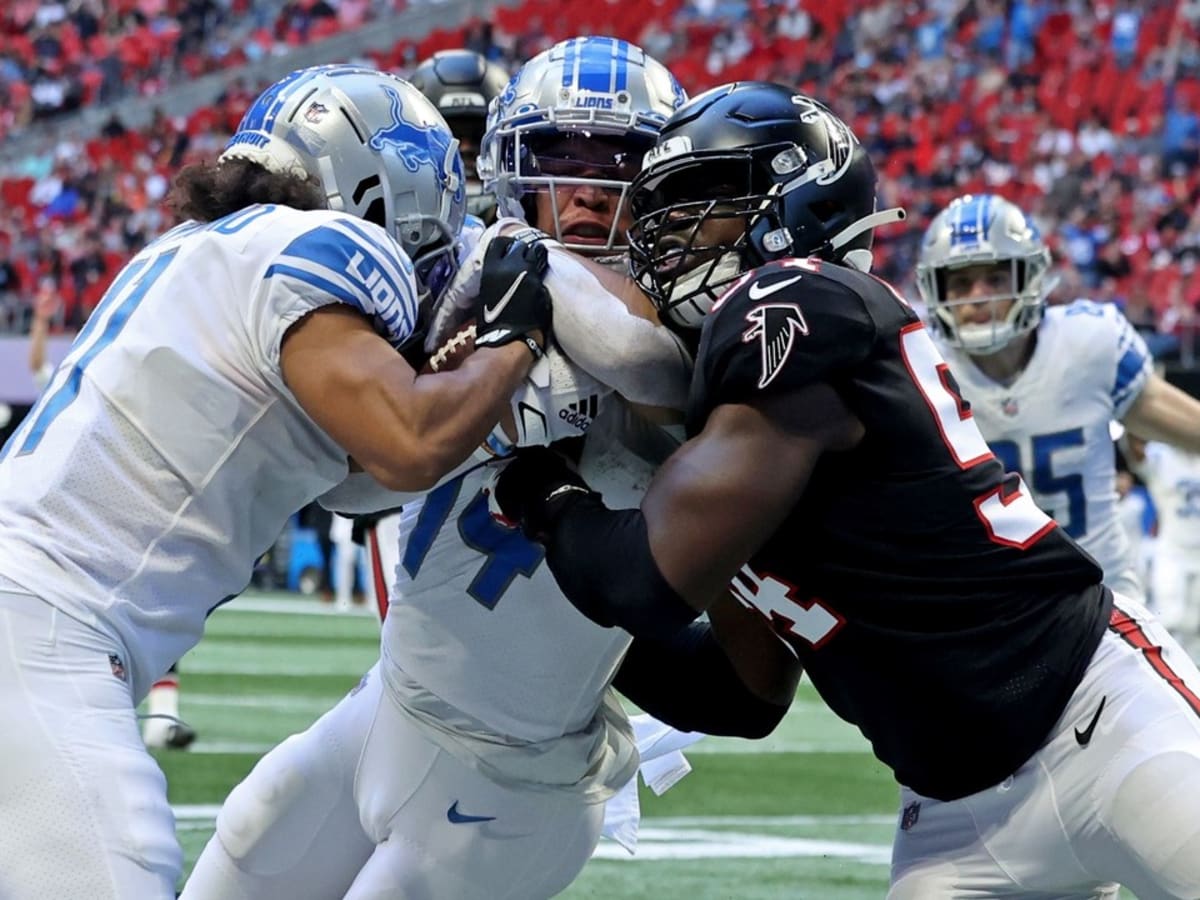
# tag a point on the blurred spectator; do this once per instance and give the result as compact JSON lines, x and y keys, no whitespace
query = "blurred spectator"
{"x":1181,"y":134}
{"x":1083,"y":113}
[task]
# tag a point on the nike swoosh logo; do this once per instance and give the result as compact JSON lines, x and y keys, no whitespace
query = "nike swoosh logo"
{"x":490,"y":312}
{"x":1085,"y":737}
{"x":457,"y":818}
{"x":757,"y":292}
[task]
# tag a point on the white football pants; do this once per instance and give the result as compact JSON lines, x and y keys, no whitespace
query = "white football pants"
{"x":363,"y":806}
{"x":83,"y":805}
{"x":1112,"y":797}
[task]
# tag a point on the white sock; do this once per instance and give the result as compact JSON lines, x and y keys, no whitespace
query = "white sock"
{"x":163,"y":699}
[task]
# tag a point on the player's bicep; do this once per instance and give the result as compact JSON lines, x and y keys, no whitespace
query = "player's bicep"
{"x":719,"y":498}
{"x":336,"y":366}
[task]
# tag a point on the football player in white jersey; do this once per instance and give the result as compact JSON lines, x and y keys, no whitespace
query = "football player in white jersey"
{"x":1045,"y":382}
{"x":161,"y":727}
{"x":223,"y":382}
{"x":483,"y":769}
{"x":1173,"y":479}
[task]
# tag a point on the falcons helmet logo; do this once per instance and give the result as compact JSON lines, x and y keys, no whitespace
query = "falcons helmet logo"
{"x":775,"y":326}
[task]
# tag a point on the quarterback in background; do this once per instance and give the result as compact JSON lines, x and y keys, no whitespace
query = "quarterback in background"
{"x":1045,"y":382}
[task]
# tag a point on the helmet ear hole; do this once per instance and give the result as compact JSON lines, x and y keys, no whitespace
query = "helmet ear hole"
{"x":824,"y":210}
{"x":375,"y":212}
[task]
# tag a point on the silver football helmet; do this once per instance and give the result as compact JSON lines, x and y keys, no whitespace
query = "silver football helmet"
{"x":583,"y":112}
{"x":379,"y":149}
{"x":984,"y":229}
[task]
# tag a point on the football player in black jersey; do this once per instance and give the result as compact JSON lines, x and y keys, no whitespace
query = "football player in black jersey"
{"x":1046,"y":734}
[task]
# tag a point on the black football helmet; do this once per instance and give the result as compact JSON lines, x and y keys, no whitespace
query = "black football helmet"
{"x":786,"y":175}
{"x":461,"y":84}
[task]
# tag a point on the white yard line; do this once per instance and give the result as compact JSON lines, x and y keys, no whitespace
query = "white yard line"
{"x":691,"y":837}
{"x":298,"y":604}
{"x":290,"y":702}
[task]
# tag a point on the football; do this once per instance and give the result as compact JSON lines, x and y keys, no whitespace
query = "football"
{"x":453,"y":350}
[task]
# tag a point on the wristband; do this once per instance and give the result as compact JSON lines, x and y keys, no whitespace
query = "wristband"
{"x":534,"y":347}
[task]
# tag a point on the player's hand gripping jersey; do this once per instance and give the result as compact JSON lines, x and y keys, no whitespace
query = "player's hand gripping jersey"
{"x":868,"y":576}
{"x":1051,"y":424}
{"x":167,"y":415}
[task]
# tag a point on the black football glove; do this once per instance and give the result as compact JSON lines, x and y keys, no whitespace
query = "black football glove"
{"x":513,"y":302}
{"x":535,"y":487}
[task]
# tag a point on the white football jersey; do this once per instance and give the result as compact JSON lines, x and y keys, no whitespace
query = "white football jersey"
{"x":1173,"y":478}
{"x":166,"y":454}
{"x":1051,"y":424}
{"x":476,"y":618}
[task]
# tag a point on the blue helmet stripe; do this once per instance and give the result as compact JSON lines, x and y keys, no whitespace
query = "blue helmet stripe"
{"x":261,"y":116}
{"x":568,"y":63}
{"x":622,"y":65}
{"x":597,"y":69}
{"x":956,"y":228}
{"x":971,"y":219}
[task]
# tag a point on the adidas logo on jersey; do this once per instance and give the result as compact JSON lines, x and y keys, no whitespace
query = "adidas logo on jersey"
{"x":581,"y":414}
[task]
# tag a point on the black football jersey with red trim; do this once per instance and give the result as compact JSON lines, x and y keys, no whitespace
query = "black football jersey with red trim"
{"x":932,"y":603}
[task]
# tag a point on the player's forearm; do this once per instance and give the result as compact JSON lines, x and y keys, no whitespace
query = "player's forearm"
{"x":1165,"y":413}
{"x":687,"y":681}
{"x":766,"y":664}
{"x":621,"y":585}
{"x":442,"y":418}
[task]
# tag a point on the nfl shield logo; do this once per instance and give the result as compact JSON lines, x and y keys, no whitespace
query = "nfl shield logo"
{"x":1009,"y":406}
{"x":909,"y":817}
{"x":315,"y":112}
{"x":118,"y":667}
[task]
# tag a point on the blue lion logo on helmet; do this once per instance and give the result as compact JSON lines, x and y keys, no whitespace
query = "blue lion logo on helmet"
{"x":419,"y":145}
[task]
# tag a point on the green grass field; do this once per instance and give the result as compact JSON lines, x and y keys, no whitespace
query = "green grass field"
{"x":807,"y":812}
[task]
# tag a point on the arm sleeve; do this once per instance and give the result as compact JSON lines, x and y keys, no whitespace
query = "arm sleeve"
{"x":688,"y":682}
{"x":640,"y":360}
{"x":631,"y":594}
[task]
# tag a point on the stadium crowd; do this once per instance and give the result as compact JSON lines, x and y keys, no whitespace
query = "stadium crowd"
{"x":1086,"y":114}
